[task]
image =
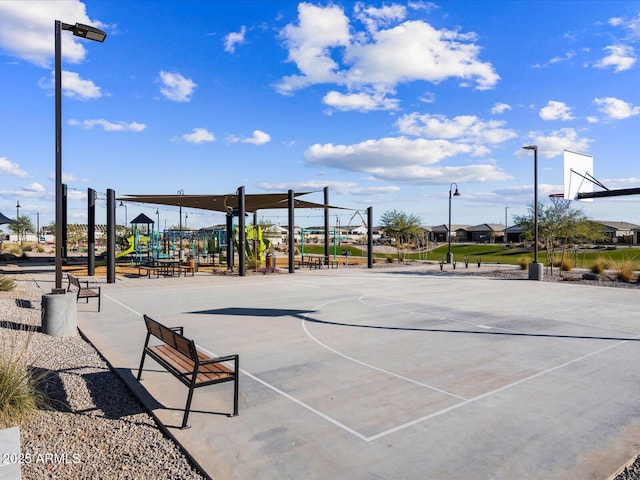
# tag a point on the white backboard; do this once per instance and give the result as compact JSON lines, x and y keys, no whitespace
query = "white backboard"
{"x":577,"y":166}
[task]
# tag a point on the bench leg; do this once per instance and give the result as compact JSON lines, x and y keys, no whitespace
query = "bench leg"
{"x":186,"y":410}
{"x":141,"y":364}
{"x":236,"y":382}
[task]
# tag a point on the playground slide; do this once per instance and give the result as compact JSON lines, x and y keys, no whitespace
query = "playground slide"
{"x":128,"y":250}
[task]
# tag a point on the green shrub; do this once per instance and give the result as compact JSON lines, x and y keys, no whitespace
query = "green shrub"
{"x":524,"y":262}
{"x":19,"y":392}
{"x":599,"y":265}
{"x":6,"y":284}
{"x":390,"y":259}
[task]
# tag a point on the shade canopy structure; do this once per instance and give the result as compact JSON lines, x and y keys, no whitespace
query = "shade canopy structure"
{"x":4,"y":219}
{"x":228,"y":203}
{"x":142,"y":219}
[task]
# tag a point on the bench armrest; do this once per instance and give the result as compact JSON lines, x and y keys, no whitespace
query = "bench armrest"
{"x":226,"y":358}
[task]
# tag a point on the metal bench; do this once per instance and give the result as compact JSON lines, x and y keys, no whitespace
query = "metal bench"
{"x":194,"y":368}
{"x":83,"y":292}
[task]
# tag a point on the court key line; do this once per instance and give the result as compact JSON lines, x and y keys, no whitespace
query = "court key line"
{"x":335,"y":422}
{"x":405,"y":425}
{"x":464,"y":402}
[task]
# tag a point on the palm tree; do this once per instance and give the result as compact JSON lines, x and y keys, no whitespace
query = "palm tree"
{"x":21,"y":227}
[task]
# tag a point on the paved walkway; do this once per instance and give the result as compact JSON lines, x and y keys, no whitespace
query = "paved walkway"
{"x":391,"y":373}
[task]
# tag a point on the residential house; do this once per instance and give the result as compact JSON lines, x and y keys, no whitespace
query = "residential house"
{"x":486,"y":233}
{"x":619,"y":232}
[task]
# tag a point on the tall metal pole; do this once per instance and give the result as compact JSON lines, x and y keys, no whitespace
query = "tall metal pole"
{"x":535,"y":269}
{"x":456,"y":194}
{"x":370,"y":237}
{"x":58,"y":100}
{"x":91,"y":232}
{"x":326,"y":225}
{"x":292,"y":244}
{"x":111,"y":236}
{"x":535,"y":203}
{"x":242,"y":267}
{"x":506,"y":225}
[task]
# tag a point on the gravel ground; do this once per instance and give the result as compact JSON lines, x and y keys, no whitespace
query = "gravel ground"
{"x":93,"y":427}
{"x":96,"y":427}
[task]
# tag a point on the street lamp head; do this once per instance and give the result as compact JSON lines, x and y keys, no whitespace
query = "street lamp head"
{"x":530,"y":147}
{"x":86,"y":31}
{"x":457,"y":193}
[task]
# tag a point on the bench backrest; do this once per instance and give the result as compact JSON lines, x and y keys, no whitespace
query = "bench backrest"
{"x":172,"y":338}
{"x":73,"y":281}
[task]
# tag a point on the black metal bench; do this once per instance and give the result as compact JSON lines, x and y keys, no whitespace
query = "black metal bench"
{"x":180,"y":357}
{"x":83,"y":292}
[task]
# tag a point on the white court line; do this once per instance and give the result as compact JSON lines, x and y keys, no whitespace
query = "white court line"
{"x":368,"y":365}
{"x":268,"y":385}
{"x":492,"y":392}
{"x":416,"y":421}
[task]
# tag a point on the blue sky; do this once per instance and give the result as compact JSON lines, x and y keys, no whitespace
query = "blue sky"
{"x":387,"y":103}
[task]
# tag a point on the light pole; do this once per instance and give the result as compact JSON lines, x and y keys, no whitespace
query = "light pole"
{"x":17,"y":209}
{"x":535,"y":269}
{"x":456,"y":194}
{"x":506,"y":224}
{"x":91,"y":33}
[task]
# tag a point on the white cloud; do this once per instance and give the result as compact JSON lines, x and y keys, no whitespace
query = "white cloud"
{"x":175,"y":87}
{"x":373,"y":18}
{"x":382,"y":58}
{"x":340,"y":188}
{"x":567,"y":56}
{"x":258,"y":138}
{"x":233,"y":39}
{"x":26,"y":29}
{"x":500,"y":108}
{"x":34,"y":187}
{"x":199,"y":135}
{"x":10,"y":168}
{"x":556,"y":111}
{"x":615,"y":108}
{"x":464,"y":128}
{"x":401,"y":159}
{"x":108,"y":126}
{"x":621,"y":57}
{"x":309,"y":42}
{"x":554,"y":144}
{"x":363,"y":102}
{"x":73,"y":86}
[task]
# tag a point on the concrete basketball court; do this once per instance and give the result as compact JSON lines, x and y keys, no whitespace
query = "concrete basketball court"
{"x":390,"y":373}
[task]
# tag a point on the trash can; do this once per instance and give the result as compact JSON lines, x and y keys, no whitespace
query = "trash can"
{"x":270,"y":261}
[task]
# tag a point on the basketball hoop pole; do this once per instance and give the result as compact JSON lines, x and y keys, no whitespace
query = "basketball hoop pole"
{"x":535,"y":269}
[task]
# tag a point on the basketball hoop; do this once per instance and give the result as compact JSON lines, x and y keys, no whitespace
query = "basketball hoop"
{"x":560,"y":203}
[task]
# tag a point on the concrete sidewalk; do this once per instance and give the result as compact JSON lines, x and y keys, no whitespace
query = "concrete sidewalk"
{"x":390,"y":373}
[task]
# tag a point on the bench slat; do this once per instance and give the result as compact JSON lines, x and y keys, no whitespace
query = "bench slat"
{"x":180,"y":357}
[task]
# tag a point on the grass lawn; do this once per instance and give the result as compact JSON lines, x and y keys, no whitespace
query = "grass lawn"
{"x":497,"y":253}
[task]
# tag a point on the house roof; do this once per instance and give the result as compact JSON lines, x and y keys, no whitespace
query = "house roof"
{"x":444,"y":228}
{"x":617,"y":225}
{"x":487,"y":227}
